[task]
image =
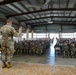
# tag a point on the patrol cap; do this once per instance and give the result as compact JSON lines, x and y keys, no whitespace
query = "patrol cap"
{"x":9,"y":21}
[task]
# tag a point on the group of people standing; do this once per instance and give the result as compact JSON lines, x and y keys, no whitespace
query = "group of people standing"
{"x":67,"y":49}
{"x":31,"y":47}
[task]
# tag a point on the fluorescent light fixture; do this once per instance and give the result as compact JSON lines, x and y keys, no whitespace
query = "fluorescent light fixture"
{"x":48,"y":15}
{"x":50,"y":22}
{"x":39,"y":30}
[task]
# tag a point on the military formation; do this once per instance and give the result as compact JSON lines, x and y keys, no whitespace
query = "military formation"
{"x":31,"y":47}
{"x":68,"y":49}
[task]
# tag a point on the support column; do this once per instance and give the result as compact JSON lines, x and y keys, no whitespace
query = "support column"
{"x":20,"y":32}
{"x":60,"y":32}
{"x":27,"y":34}
{"x":46,"y":30}
{"x":48,"y":35}
{"x":32,"y":34}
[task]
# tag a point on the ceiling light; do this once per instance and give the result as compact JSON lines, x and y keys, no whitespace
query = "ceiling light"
{"x":48,"y":15}
{"x":50,"y":22}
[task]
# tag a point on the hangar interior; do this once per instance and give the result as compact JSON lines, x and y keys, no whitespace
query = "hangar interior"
{"x":53,"y":20}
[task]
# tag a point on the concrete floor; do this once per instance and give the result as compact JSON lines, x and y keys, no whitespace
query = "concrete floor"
{"x":47,"y":58}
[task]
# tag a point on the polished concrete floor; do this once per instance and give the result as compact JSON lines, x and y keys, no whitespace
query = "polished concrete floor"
{"x":48,"y":58}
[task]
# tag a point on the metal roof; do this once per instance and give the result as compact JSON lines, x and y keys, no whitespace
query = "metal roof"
{"x":37,"y":13}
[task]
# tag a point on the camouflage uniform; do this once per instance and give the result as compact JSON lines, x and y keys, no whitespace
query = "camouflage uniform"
{"x":65,"y":50}
{"x":73,"y":50}
{"x":7,"y":32}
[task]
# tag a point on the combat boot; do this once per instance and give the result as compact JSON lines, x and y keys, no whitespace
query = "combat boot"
{"x":4,"y":65}
{"x":9,"y":65}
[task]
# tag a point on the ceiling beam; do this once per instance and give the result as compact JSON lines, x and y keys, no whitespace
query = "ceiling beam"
{"x":49,"y":17}
{"x":55,"y":22}
{"x":35,"y":25}
{"x":55,"y":29}
{"x":8,"y":2}
{"x":43,"y":10}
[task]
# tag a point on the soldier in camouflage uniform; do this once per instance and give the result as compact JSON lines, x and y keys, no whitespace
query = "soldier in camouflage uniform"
{"x":7,"y":32}
{"x":20,"y":48}
{"x":16,"y":47}
{"x":65,"y":49}
{"x":72,"y":49}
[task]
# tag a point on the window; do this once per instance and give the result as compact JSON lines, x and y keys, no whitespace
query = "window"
{"x":67,"y":35}
{"x":52,"y":35}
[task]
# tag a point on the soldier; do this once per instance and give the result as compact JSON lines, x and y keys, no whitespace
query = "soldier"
{"x":65,"y":49}
{"x":20,"y":47}
{"x":72,"y":49}
{"x":25,"y":48}
{"x":15,"y":47}
{"x":33,"y":48}
{"x":7,"y":32}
